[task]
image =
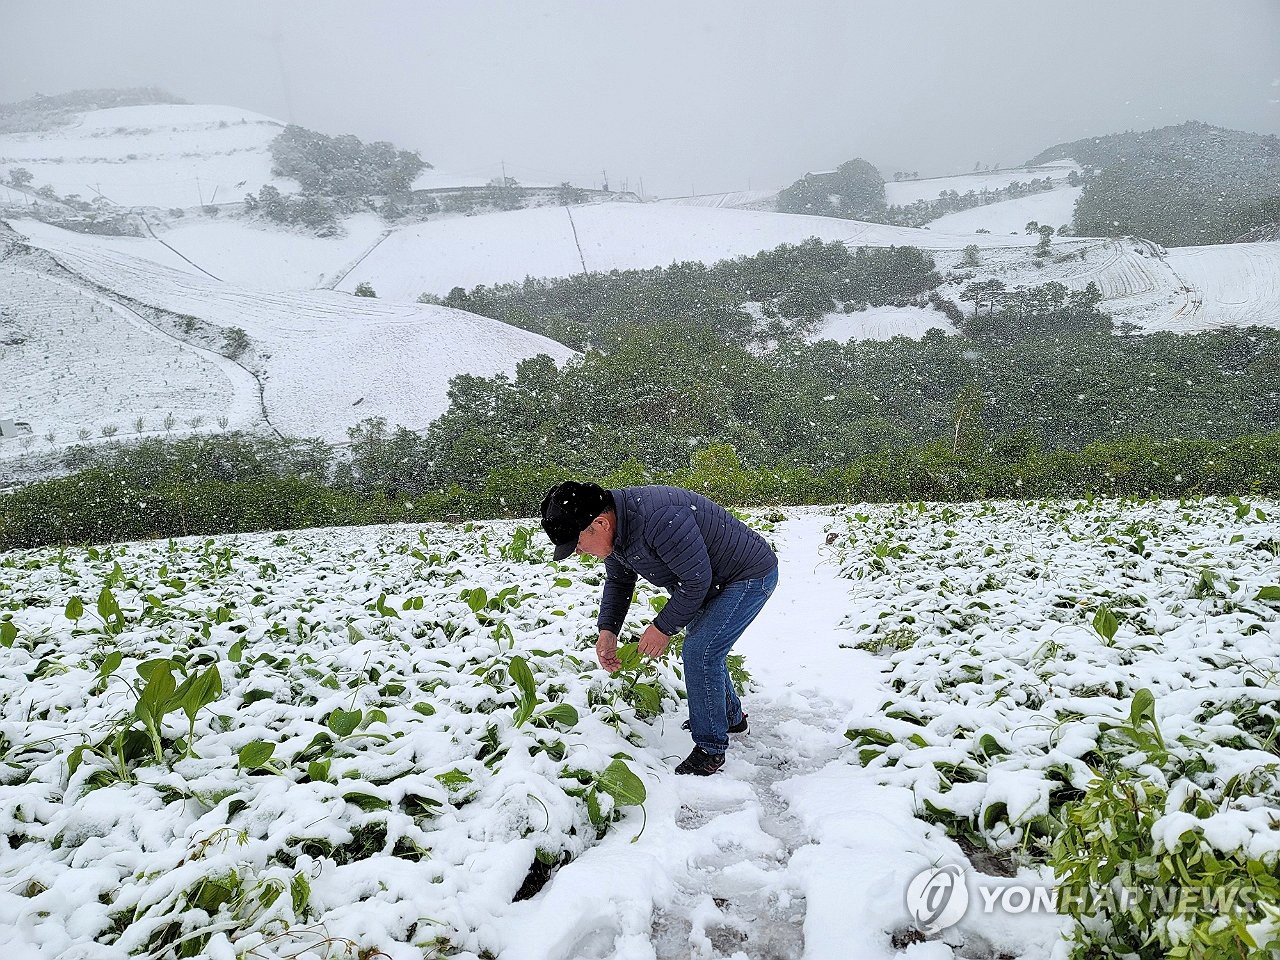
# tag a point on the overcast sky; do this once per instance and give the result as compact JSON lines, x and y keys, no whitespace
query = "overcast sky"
{"x":692,"y":96}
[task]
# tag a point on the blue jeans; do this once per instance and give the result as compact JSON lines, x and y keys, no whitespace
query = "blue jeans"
{"x":713,"y":703}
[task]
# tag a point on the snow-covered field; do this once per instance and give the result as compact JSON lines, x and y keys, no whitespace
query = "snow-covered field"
{"x":76,"y":365}
{"x":160,"y":155}
{"x":745,"y":199}
{"x":1235,"y":283}
{"x":433,"y":257}
{"x":881,"y":323}
{"x":387,"y":725}
{"x":328,"y":360}
{"x":903,"y":192}
{"x":262,"y":257}
{"x":1054,"y":208}
{"x":1182,"y":289}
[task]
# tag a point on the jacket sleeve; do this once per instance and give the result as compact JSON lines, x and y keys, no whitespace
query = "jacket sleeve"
{"x":675,"y":538}
{"x":615,"y":601}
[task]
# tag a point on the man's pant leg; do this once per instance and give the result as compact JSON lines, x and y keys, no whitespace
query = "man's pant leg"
{"x":706,"y":649}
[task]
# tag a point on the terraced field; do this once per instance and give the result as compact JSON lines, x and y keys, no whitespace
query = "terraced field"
{"x":78,"y":366}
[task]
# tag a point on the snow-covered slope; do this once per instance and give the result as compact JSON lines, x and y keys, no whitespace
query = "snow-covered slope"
{"x":75,"y":364}
{"x":1055,"y":208}
{"x":737,"y":199}
{"x":327,"y":360}
{"x":1235,"y":283}
{"x":881,"y":323}
{"x":901,"y":193}
{"x":255,"y":254}
{"x":558,"y":241}
{"x":250,"y":253}
{"x":1182,"y":289}
{"x":160,"y":155}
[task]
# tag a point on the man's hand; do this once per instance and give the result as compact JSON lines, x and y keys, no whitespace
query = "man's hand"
{"x":654,"y":642}
{"x":607,"y":651}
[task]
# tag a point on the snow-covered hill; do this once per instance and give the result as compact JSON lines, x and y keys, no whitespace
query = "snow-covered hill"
{"x":433,"y":257}
{"x":1182,"y":289}
{"x":1054,"y":208}
{"x":77,"y":365}
{"x":881,"y":323}
{"x":903,"y":192}
{"x":737,"y":199}
{"x":159,"y":155}
{"x":325,"y":360}
{"x":256,"y":254}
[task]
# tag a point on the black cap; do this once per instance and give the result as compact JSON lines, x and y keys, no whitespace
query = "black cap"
{"x":568,"y":509}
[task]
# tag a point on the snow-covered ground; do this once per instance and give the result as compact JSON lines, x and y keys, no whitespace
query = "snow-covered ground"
{"x":746,"y":199}
{"x":433,"y":257}
{"x":881,"y":323}
{"x":372,"y":749}
{"x":160,"y":155}
{"x":903,"y":192}
{"x":262,"y":257}
{"x":1181,"y":289}
{"x":327,"y":360}
{"x":1054,"y":208}
{"x":76,"y":364}
{"x":1235,"y":283}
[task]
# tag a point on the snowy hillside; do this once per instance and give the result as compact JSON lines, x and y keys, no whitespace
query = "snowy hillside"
{"x":325,"y":360}
{"x":1182,"y":289}
{"x":902,"y":192}
{"x":78,"y":365}
{"x":738,"y":199}
{"x":881,"y":323}
{"x":556,"y":242}
{"x":1054,"y":208}
{"x":160,"y":155}
{"x":252,"y":253}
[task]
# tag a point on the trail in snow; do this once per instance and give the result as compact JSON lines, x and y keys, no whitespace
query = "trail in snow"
{"x":346,"y":272}
{"x":741,"y":898}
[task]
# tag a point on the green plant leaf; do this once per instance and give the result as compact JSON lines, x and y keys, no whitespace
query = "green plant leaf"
{"x":522,"y":677}
{"x":1105,"y":623}
{"x":649,"y":697}
{"x":201,"y":691}
{"x":255,"y":754}
{"x":367,"y":801}
{"x":110,"y":612}
{"x":343,"y":722}
{"x":300,"y":893}
{"x":1268,"y":593}
{"x":383,"y":609}
{"x":562,"y":713}
{"x":629,"y":655}
{"x":619,"y":782}
{"x":74,"y":609}
{"x":111,"y":664}
{"x":8,"y":633}
{"x":156,"y":698}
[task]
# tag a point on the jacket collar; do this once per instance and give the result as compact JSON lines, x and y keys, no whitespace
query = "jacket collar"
{"x":620,"y":532}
